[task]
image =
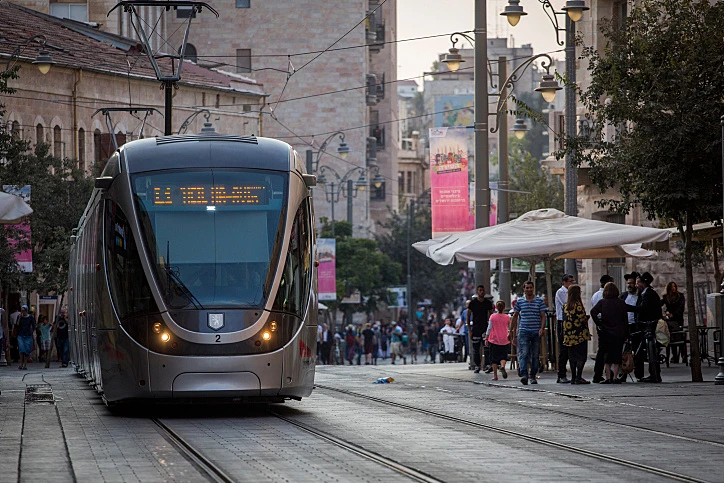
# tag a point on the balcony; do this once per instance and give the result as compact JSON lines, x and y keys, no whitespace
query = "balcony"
{"x":375,"y":31}
{"x":371,"y":90}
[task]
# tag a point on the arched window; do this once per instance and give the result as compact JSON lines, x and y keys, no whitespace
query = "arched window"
{"x":39,"y":134}
{"x":15,"y":130}
{"x":97,"y":154}
{"x":57,"y":143}
{"x":81,"y":149}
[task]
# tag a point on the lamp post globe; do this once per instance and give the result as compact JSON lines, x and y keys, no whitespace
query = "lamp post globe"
{"x":513,"y":11}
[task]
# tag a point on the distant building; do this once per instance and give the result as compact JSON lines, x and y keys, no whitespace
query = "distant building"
{"x":326,"y":67}
{"x":92,"y":72}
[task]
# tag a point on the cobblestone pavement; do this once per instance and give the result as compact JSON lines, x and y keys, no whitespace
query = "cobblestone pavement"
{"x":439,"y":419}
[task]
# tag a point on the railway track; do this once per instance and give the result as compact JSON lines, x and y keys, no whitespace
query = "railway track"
{"x":203,"y":464}
{"x":573,"y":415}
{"x":659,"y":472}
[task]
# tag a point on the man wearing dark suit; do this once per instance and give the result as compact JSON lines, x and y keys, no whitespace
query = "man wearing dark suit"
{"x":648,"y":308}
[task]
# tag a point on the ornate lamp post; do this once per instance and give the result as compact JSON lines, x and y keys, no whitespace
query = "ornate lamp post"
{"x":344,"y":186}
{"x":573,"y":11}
{"x":548,"y":87}
{"x":44,"y":61}
{"x":342,"y":151}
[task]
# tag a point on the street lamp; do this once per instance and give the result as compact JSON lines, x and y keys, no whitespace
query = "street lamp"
{"x":519,"y":128}
{"x":342,"y":151}
{"x":43,"y":61}
{"x":344,"y":186}
{"x":453,"y":59}
{"x":573,"y":11}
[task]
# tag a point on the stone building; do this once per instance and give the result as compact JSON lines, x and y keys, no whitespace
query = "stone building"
{"x":91,"y":73}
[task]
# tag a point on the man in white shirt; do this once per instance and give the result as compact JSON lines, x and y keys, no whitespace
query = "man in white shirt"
{"x":599,"y":295}
{"x":561,"y":298}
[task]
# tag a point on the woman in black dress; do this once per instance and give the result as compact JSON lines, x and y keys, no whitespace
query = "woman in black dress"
{"x":610,"y":315}
{"x":675,"y":304}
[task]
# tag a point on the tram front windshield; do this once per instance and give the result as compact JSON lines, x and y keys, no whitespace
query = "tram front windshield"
{"x":212,"y":234}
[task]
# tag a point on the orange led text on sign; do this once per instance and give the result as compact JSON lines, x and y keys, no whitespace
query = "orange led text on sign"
{"x":217,"y":195}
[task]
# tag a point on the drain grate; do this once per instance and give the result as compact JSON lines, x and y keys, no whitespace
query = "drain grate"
{"x":39,"y":393}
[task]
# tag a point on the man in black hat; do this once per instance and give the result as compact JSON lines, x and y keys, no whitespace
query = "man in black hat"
{"x":648,"y":309}
{"x":600,"y":354}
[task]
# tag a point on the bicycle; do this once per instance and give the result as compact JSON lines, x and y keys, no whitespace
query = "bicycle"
{"x":649,"y":345}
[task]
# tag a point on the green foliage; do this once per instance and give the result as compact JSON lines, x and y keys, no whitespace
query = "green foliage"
{"x":361,"y":266}
{"x":662,"y":82}
{"x":535,"y":141}
{"x":59,"y":194}
{"x":543,"y":189}
{"x":429,"y":280}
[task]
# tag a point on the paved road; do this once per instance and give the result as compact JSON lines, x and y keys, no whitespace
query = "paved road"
{"x":436,"y":422}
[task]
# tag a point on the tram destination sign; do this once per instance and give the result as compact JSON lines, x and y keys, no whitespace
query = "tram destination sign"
{"x":207,"y":195}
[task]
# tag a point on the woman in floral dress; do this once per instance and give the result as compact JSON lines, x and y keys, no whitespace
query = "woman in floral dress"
{"x":575,"y":333}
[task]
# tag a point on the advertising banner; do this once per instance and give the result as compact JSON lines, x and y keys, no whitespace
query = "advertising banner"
{"x":449,"y":181}
{"x":25,"y":257}
{"x":326,"y":272}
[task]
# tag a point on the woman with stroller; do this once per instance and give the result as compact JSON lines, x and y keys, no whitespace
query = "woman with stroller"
{"x":576,"y":334}
{"x":611,"y":317}
{"x":497,"y":339}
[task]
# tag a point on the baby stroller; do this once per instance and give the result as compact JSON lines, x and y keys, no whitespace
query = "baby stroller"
{"x":457,"y":354}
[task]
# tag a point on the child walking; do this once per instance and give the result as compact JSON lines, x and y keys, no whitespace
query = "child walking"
{"x":497,"y":339}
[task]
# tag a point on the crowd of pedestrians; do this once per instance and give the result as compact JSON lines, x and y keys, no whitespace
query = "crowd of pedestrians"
{"x":24,"y":339}
{"x":495,"y":334}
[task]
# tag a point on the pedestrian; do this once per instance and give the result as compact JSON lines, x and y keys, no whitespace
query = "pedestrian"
{"x":610,"y":314}
{"x":479,"y":313}
{"x":396,"y":343}
{"x":13,"y":331}
{"x":432,"y":341}
{"x":26,"y":330}
{"x":376,"y":349}
{"x":368,"y":336}
{"x":497,"y":339}
{"x":462,"y":328}
{"x":648,"y":309}
{"x":599,"y":361}
{"x":561,"y":298}
{"x":448,"y":339}
{"x":350,"y":341}
{"x":576,"y":334}
{"x":414,"y":342}
{"x":44,"y":328}
{"x":675,"y":304}
{"x":530,"y":320}
{"x":384,"y":339}
{"x":62,"y":342}
{"x":3,"y":334}
{"x":325,"y":344}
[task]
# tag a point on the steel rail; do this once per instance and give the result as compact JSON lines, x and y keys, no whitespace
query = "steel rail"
{"x":546,"y":442}
{"x":411,"y":473}
{"x":195,"y":457}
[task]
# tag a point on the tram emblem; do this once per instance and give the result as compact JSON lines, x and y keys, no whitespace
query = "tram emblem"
{"x":215,"y":321}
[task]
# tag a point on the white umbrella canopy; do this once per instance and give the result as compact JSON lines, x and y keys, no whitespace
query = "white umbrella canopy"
{"x":544,"y":234}
{"x":12,"y":209}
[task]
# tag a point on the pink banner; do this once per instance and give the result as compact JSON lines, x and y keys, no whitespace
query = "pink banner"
{"x":449,"y":181}
{"x":326,"y":272}
{"x":25,"y":257}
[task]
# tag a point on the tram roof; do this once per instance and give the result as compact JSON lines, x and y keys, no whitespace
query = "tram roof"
{"x":206,"y":151}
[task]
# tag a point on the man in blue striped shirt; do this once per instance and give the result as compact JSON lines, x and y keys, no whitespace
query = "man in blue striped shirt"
{"x":530,"y":318}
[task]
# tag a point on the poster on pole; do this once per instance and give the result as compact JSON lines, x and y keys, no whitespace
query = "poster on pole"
{"x":396,"y":297}
{"x":449,"y":181}
{"x":326,"y":272}
{"x":25,"y":257}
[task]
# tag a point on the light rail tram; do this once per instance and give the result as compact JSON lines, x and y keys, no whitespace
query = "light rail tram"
{"x":192,"y":273}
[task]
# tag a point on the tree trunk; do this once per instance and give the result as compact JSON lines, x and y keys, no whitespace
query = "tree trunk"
{"x":695,"y":357}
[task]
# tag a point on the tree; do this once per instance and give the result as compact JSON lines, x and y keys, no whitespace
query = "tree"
{"x":429,"y":280}
{"x":655,"y":102}
{"x":360,"y":266}
{"x":59,"y":194}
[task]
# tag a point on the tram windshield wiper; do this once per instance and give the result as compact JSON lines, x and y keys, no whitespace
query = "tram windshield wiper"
{"x":182,"y":288}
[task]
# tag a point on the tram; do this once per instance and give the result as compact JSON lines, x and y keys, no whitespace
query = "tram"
{"x":192,"y":273}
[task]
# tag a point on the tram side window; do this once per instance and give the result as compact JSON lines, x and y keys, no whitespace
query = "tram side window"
{"x":129,"y":288}
{"x":292,"y":295}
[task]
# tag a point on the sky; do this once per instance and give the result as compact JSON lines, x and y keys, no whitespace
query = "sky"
{"x":420,"y":18}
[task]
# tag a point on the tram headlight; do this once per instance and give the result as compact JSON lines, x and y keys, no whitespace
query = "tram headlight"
{"x":165,"y":337}
{"x":273,"y":326}
{"x":266,"y":335}
{"x":157,"y":327}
